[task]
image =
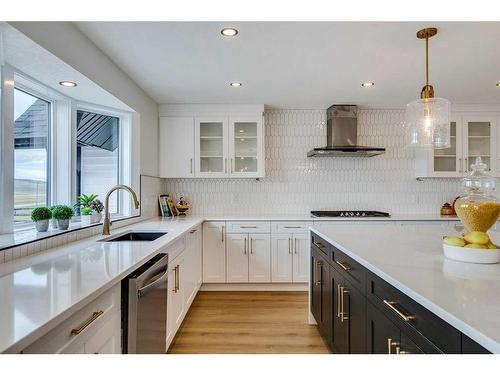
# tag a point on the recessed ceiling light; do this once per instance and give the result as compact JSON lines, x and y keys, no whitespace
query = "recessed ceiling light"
{"x":367,"y":84}
{"x":236,"y":84}
{"x":68,"y":83}
{"x":498,"y":84}
{"x":229,"y":31}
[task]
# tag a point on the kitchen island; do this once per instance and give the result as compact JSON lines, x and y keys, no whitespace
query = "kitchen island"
{"x":404,"y":275}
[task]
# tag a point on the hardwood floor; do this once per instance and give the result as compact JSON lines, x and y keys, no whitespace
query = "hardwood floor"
{"x":248,"y":322}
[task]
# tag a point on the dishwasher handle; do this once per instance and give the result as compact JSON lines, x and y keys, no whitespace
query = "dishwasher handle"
{"x":149,"y":287}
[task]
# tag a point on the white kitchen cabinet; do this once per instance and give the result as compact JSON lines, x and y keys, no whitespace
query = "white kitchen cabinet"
{"x":281,"y":258}
{"x":259,"y":258}
{"x":289,"y":258}
{"x":237,"y":257}
{"x":192,"y":272}
{"x":214,"y":252}
{"x":472,"y":135}
{"x":227,"y":141}
{"x":211,"y":146}
{"x":176,"y":147}
{"x":248,"y":258}
{"x":96,"y":328}
{"x":301,"y":257}
{"x":246,"y":146}
{"x":175,"y":299}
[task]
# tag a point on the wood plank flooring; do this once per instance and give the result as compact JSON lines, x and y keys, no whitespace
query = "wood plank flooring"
{"x":248,"y":322}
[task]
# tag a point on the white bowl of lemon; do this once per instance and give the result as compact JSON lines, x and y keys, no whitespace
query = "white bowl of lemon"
{"x":473,"y":247}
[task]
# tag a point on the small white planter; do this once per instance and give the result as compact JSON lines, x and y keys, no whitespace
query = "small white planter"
{"x":93,"y":218}
{"x":63,"y":224}
{"x":86,"y":219}
{"x":42,"y":225}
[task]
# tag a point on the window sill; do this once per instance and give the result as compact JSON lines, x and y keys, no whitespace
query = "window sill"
{"x":24,"y":234}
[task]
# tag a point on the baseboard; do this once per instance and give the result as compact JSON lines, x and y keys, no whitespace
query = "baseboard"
{"x":276,"y":287}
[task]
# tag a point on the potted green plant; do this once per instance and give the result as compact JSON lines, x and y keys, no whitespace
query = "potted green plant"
{"x":63,"y":214}
{"x":86,"y":213}
{"x":53,"y":221}
{"x":41,"y":217}
{"x":85,"y":200}
{"x":97,"y":208}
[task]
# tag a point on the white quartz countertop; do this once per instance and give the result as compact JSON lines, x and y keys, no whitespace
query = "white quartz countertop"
{"x":411,"y":259}
{"x":38,"y":292}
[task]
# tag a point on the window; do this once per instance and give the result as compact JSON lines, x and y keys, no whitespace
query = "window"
{"x":97,"y":155}
{"x":31,"y":154}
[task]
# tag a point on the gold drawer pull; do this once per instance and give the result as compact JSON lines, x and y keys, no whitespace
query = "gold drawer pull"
{"x":85,"y":324}
{"x":290,"y":227}
{"x":248,"y":226}
{"x":343,"y":266}
{"x":397,"y":311}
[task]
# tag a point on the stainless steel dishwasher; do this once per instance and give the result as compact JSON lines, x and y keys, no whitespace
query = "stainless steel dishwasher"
{"x":144,"y":307}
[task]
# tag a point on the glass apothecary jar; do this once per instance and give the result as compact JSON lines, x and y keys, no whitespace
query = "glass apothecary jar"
{"x":478,"y":209}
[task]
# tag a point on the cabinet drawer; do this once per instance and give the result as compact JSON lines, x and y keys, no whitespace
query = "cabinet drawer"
{"x":248,"y":227}
{"x":62,"y":340}
{"x":322,"y":245}
{"x":290,"y":226}
{"x":348,"y":267}
{"x":175,"y":248}
{"x":408,"y":313}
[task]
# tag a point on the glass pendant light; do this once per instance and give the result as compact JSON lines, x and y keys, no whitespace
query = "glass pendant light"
{"x":428,"y":118}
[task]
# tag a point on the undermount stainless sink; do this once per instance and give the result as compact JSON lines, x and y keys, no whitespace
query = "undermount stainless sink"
{"x":135,"y":237}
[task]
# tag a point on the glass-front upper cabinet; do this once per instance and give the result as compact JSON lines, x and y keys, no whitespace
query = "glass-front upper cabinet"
{"x":447,"y":162}
{"x":472,"y":135}
{"x":245,"y":146}
{"x":211,"y":147}
{"x":479,"y":140}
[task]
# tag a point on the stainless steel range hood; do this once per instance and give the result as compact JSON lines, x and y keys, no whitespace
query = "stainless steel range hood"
{"x":342,"y":135}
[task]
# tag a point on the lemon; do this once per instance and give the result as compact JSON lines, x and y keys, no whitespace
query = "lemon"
{"x":454,"y":241}
{"x":475,"y":246}
{"x":475,"y":237}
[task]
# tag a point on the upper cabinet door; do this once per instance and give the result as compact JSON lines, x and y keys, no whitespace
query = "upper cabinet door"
{"x":211,"y":136}
{"x":176,"y":147}
{"x":479,"y":140}
{"x":448,"y":162}
{"x":246,"y":135}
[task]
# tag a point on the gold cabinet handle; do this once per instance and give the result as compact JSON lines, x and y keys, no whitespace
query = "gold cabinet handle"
{"x":178,"y":278}
{"x":191,"y":165}
{"x":232,"y":170}
{"x":251,"y":245}
{"x":295,"y":247}
{"x":85,"y":324}
{"x":342,"y":312}
{"x":314,"y":272}
{"x":318,"y":281}
{"x":344,"y":266}
{"x":289,"y":245}
{"x":392,"y":306}
{"x":225,"y":165}
{"x":245,"y":247}
{"x":222,"y":234}
{"x":459,"y":165}
{"x":338,"y":300}
{"x":389,"y":345}
{"x":248,"y":226}
{"x":290,"y":227}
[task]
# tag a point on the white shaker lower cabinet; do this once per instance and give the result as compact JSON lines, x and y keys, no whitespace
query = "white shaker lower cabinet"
{"x":184,"y":280}
{"x":214,"y":252}
{"x":282,"y":258}
{"x":237,"y":257}
{"x":259,"y":258}
{"x":301,"y":257}
{"x":95,"y":329}
{"x":248,"y":258}
{"x":290,"y":258}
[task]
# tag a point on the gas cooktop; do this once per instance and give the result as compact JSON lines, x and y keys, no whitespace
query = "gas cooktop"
{"x":349,"y":214}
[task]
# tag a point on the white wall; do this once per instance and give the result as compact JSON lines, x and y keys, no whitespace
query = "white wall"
{"x":66,"y":42}
{"x":295,"y":184}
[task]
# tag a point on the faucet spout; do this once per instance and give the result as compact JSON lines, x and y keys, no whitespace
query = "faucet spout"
{"x":107,"y":221}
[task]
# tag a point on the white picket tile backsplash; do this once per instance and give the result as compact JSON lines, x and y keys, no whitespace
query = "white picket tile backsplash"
{"x":295,"y":184}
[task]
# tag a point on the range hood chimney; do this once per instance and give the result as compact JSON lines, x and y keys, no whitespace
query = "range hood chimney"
{"x":342,"y":135}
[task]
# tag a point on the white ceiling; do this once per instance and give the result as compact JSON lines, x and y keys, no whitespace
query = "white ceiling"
{"x":32,"y":60}
{"x":303,"y":65}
